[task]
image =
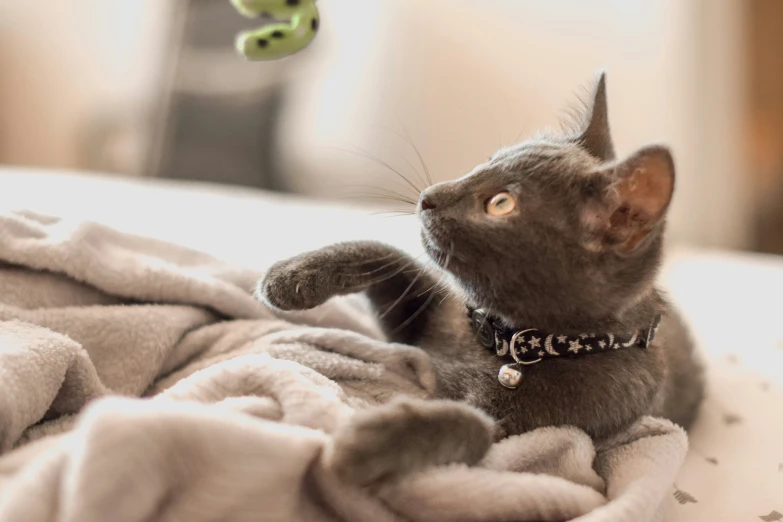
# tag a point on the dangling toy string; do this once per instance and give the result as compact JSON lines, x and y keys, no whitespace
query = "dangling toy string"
{"x":295,"y":26}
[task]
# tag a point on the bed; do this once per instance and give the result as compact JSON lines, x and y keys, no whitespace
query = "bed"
{"x":734,"y":470}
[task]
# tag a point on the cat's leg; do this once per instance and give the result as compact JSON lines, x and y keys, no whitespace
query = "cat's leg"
{"x":400,"y":290}
{"x":383,"y":443}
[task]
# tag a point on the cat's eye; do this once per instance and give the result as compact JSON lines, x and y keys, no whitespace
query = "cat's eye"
{"x":501,"y":204}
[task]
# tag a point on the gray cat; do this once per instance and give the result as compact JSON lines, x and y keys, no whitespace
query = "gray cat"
{"x":552,"y":247}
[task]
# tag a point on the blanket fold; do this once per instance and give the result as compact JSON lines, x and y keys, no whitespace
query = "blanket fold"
{"x":141,"y":381}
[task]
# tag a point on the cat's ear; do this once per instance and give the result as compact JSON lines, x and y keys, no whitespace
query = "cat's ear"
{"x":632,"y":201}
{"x":593,"y":133}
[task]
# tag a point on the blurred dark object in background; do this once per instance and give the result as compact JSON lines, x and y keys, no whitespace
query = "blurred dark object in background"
{"x":764,"y":32}
{"x":218,"y":114}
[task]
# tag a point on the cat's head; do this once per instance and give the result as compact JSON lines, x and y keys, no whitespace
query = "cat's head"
{"x":554,"y":232}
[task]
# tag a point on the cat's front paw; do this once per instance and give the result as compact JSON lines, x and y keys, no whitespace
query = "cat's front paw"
{"x":293,"y":285}
{"x":384,"y":443}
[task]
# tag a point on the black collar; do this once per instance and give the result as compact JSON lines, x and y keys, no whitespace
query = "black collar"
{"x":530,"y":345}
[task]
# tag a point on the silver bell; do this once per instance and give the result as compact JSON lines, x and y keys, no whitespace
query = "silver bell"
{"x":509,"y":376}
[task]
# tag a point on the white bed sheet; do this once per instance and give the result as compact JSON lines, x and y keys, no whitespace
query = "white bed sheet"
{"x":734,"y":471}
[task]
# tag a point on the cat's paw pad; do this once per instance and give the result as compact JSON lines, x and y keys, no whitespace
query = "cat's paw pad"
{"x":384,"y":443}
{"x":291,"y":285}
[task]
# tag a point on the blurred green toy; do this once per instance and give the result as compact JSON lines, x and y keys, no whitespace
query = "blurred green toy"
{"x":295,"y":26}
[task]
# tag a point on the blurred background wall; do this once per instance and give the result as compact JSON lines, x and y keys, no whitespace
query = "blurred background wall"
{"x":71,"y":67}
{"x":152,"y":88}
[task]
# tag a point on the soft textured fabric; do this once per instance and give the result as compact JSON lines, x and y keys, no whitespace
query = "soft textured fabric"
{"x":141,"y":381}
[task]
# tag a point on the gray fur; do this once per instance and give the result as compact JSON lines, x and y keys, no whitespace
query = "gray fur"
{"x":580,"y":253}
{"x":432,"y":432}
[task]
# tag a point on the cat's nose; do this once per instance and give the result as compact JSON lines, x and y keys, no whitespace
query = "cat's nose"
{"x":426,"y":203}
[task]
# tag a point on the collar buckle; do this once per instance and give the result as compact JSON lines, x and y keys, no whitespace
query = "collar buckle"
{"x":485,"y":332}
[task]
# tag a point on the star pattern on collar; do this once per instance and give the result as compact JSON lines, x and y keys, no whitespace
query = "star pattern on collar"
{"x":528,"y":343}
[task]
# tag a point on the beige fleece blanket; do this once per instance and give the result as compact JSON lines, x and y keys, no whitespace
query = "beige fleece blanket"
{"x":141,"y":381}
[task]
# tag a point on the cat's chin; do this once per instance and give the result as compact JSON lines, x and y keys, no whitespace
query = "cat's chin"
{"x":436,"y":255}
{"x":432,"y":248}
